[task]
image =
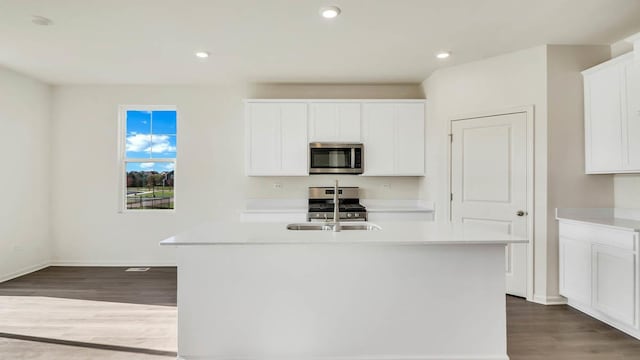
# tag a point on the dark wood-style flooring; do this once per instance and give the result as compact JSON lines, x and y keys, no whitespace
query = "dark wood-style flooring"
{"x":107,"y":313}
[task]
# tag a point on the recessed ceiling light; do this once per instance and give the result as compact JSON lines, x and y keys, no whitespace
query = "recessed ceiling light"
{"x":329,"y":12}
{"x":41,"y":20}
{"x":202,"y":54}
{"x":443,"y":54}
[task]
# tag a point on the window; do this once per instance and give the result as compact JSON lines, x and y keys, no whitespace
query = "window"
{"x":148,"y":151}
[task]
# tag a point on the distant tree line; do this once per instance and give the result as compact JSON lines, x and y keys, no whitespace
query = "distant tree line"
{"x":149,"y":179}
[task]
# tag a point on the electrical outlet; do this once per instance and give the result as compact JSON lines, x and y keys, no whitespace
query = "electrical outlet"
{"x":277,"y":186}
{"x":386,"y":186}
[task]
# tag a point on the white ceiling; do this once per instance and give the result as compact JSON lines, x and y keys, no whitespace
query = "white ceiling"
{"x":373,"y":41}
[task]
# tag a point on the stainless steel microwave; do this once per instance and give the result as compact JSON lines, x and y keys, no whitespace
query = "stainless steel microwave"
{"x":336,"y":158}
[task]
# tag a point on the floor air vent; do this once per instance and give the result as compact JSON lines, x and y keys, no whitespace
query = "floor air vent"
{"x":139,"y":269}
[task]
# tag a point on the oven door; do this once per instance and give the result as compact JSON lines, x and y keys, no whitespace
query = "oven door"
{"x":335,"y":158}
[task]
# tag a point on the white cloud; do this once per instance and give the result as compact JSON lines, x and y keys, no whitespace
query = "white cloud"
{"x":149,"y":143}
{"x":169,"y":166}
{"x":146,"y":165}
{"x":138,"y":142}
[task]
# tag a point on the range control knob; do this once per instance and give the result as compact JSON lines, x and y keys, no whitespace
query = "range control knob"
{"x":349,"y":215}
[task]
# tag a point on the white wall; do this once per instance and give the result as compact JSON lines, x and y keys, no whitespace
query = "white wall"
{"x":24,"y":144}
{"x":521,"y":79}
{"x":568,"y":186}
{"x":210,"y":181}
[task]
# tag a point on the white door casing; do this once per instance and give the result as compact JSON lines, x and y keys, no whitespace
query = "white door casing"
{"x":489,"y":173}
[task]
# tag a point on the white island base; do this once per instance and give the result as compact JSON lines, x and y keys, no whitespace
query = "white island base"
{"x":369,"y":300}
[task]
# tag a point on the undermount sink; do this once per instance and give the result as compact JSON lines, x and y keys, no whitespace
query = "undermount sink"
{"x":366,"y":226}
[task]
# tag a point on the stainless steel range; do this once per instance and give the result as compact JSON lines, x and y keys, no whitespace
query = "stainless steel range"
{"x":321,"y":204}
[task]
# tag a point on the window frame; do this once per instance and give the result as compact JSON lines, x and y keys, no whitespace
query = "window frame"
{"x":122,"y":157}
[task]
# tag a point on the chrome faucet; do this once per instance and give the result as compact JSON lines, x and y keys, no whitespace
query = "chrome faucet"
{"x":336,"y":208}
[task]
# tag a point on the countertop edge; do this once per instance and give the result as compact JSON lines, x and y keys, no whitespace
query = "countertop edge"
{"x":345,"y":243}
{"x":304,"y":211}
{"x":602,"y":222}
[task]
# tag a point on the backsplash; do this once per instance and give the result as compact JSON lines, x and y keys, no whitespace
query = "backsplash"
{"x":297,"y":187}
{"x":627,"y":191}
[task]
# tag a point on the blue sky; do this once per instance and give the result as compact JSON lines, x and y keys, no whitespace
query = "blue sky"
{"x":151,"y":134}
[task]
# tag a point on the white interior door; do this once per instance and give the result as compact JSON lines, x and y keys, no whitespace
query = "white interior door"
{"x":489,"y":183}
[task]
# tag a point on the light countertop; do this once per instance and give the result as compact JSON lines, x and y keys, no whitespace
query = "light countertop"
{"x":621,"y":219}
{"x":392,"y":233}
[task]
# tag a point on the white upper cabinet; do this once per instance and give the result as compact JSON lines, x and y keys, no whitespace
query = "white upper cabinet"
{"x":378,"y":127}
{"x":603,"y":119}
{"x":334,"y":122}
{"x":409,"y":139}
{"x":276,"y":139}
{"x":612,"y":116}
{"x":393,"y":137}
{"x":278,"y":133}
{"x":632,"y":77}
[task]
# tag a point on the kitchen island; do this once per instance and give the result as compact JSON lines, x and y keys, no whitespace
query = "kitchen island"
{"x":412,"y":290}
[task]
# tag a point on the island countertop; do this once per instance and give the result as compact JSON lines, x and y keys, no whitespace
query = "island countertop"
{"x":392,"y":233}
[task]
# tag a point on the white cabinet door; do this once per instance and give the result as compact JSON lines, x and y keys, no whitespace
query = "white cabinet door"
{"x":334,"y":122}
{"x":293,"y":131}
{"x":603,"y":119}
{"x":632,"y":125}
{"x":276,"y":139}
{"x":409,"y":139}
{"x":393,"y":136}
{"x":378,"y":127}
{"x":575,"y":269}
{"x":263,"y":137}
{"x":614,"y":282}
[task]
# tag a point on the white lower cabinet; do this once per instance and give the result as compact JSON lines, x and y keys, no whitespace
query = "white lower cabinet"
{"x":614,"y":283}
{"x":575,"y":269}
{"x":599,"y":273}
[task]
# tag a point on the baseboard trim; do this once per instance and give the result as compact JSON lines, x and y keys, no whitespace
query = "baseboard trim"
{"x":45,"y":264}
{"x":24,"y":271}
{"x":112,"y":263}
{"x":549,"y":300}
{"x":594,"y":313}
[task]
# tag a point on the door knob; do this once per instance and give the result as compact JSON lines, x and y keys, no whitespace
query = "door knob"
{"x":521,"y":213}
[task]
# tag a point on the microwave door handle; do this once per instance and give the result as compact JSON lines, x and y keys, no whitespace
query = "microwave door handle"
{"x":353,"y":158}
